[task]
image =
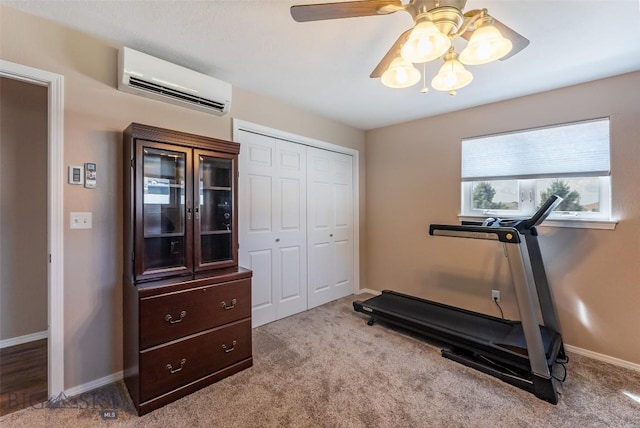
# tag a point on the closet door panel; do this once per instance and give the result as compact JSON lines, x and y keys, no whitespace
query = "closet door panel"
{"x":260,"y":198}
{"x":343,"y":227}
{"x":291,"y":240}
{"x":291,"y":273}
{"x":274,"y":221}
{"x":257,"y":208}
{"x":262,"y":302}
{"x":321,"y":277}
{"x":261,"y":255}
{"x":291,"y":199}
{"x":343,"y":268}
{"x":320,"y":207}
{"x":330,"y":234}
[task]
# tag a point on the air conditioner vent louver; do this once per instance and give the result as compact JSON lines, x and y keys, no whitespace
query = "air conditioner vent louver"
{"x":168,"y":92}
{"x":152,"y":77}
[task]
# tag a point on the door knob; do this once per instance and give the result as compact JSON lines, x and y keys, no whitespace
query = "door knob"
{"x":277,"y":239}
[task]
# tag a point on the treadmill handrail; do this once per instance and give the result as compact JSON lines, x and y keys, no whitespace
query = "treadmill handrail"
{"x":543,"y":212}
{"x":507,"y":235}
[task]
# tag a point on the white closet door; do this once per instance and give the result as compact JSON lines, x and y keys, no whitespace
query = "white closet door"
{"x":272,"y":214}
{"x":330,"y":225}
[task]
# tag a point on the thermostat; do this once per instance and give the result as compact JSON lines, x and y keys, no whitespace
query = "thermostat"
{"x":90,"y":176}
{"x":76,"y":174}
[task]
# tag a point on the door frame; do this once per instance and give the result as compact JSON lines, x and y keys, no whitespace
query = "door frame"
{"x":55,"y":214}
{"x":241,"y":125}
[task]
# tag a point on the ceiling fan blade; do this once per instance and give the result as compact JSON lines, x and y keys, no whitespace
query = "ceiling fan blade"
{"x":391,"y":54}
{"x":519,"y":41}
{"x":349,"y":9}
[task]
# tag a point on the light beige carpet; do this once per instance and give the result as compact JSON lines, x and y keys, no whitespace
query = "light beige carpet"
{"x":327,"y":368}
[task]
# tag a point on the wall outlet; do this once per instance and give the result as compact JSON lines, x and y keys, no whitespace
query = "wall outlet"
{"x":495,"y":295}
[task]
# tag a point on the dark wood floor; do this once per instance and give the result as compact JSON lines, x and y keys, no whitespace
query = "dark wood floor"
{"x":23,"y":376}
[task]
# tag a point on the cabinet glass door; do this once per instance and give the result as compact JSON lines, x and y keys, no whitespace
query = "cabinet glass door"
{"x":214,"y":209}
{"x":164,"y":210}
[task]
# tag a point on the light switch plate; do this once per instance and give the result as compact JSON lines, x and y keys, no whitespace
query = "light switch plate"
{"x":76,"y":174}
{"x":79,"y":220}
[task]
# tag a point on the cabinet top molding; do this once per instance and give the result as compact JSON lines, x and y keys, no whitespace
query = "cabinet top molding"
{"x":164,"y":135}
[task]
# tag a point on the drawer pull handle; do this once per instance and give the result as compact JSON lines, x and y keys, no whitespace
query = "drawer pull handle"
{"x":225,"y":307}
{"x":176,"y":370}
{"x":170,"y":319}
{"x":233,"y":346}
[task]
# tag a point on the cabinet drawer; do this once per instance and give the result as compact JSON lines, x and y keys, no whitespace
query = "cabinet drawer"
{"x":171,"y":316}
{"x":165,"y":368}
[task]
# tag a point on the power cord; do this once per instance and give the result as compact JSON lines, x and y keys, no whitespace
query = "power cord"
{"x":564,"y":373}
{"x":561,"y":362}
{"x":495,"y":300}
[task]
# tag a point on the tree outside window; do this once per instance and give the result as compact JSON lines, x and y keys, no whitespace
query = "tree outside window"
{"x":571,"y":198}
{"x":483,"y":194}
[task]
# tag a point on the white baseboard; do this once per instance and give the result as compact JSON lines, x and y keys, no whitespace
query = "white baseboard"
{"x":368,"y":291}
{"x":97,"y":383}
{"x":604,"y":358}
{"x":13,"y":341}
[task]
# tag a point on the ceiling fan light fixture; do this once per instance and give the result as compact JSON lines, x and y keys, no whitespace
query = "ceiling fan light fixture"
{"x":452,"y":75}
{"x":437,"y":23}
{"x":400,"y":74}
{"x":425,"y":43}
{"x":486,"y":44}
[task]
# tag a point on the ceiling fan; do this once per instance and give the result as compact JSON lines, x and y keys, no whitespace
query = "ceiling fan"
{"x":436,"y":24}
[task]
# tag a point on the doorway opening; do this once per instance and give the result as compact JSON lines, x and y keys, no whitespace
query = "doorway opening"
{"x":53,"y":256}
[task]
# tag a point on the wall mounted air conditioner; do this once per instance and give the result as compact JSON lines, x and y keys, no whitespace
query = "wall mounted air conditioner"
{"x":142,"y":74}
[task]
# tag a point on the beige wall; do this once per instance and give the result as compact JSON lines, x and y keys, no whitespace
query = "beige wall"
{"x":23,"y":198}
{"x":95,"y":115}
{"x":413,"y":170}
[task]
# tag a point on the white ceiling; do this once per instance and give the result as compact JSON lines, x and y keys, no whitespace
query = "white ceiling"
{"x":324,"y":66}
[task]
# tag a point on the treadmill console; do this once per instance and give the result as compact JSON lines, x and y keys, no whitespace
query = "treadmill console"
{"x":525,"y":223}
{"x":497,"y":228}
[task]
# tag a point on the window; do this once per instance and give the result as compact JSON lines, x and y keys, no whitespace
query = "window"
{"x":513,"y":174}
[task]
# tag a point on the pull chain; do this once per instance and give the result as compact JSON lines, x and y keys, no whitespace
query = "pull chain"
{"x":424,"y":79}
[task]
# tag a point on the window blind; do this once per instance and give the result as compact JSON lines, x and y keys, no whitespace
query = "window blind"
{"x":578,"y":149}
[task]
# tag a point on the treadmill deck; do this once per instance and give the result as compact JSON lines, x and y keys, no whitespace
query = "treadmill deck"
{"x":484,"y":334}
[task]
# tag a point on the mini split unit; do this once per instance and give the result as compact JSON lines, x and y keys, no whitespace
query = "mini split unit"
{"x":142,"y":74}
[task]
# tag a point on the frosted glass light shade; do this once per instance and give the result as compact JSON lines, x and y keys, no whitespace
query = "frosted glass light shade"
{"x":425,"y":43}
{"x":400,"y":74}
{"x":486,"y":45}
{"x":452,"y":75}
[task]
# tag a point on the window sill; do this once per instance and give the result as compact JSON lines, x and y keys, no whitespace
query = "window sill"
{"x":556,"y":222}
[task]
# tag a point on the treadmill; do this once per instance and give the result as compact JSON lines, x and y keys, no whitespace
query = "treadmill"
{"x":523,"y":353}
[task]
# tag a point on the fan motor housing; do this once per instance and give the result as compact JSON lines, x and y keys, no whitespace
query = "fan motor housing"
{"x":447,"y":19}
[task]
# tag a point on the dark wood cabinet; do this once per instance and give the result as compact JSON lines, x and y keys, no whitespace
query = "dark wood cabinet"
{"x":187,"y":303}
